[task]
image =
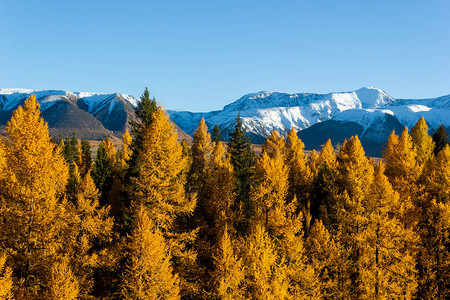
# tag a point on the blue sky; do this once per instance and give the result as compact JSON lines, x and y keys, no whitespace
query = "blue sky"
{"x":202,"y":55}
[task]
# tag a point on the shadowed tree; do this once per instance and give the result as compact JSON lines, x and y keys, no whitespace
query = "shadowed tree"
{"x":243,"y":161}
{"x":440,"y":139}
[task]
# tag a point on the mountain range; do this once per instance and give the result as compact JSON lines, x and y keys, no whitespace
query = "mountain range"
{"x":368,"y":112}
{"x":91,"y":116}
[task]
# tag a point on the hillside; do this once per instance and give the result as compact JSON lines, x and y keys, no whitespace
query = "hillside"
{"x":91,"y":116}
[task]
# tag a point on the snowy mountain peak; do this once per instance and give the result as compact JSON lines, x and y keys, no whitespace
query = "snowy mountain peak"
{"x":366,"y":97}
{"x":11,"y":98}
{"x":373,"y":111}
{"x":371,"y":97}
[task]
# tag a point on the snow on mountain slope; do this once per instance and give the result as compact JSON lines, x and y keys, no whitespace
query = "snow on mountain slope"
{"x":264,"y":112}
{"x":74,"y":110}
{"x":90,"y":115}
{"x":11,"y":98}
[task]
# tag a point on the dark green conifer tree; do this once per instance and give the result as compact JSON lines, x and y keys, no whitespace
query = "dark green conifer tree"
{"x":144,"y":112}
{"x":216,"y":134}
{"x":86,"y":158}
{"x":440,"y":139}
{"x":243,"y":160}
{"x":70,"y":149}
{"x":102,"y":173}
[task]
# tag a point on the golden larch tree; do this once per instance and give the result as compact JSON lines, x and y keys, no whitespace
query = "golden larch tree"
{"x":300,"y":175}
{"x":201,"y":153}
{"x":126,"y":148}
{"x":91,"y":233}
{"x":328,"y":155}
{"x":313,"y":162}
{"x":219,"y":187}
{"x":149,"y":273}
{"x":34,"y":216}
{"x":63,"y":284}
{"x":324,"y":188}
{"x":229,"y":273}
{"x":280,"y":219}
{"x":274,"y":144}
{"x":266,"y":273}
{"x":324,"y":255}
{"x":160,"y":182}
{"x":160,"y":187}
{"x":269,"y":197}
{"x":402,"y":167}
{"x":403,"y":172}
{"x":387,"y":258}
{"x":422,"y":141}
{"x":6,"y":281}
{"x":355,"y":176}
{"x":111,"y":152}
{"x":434,"y":228}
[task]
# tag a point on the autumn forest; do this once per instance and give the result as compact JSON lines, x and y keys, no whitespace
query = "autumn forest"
{"x":159,"y":219}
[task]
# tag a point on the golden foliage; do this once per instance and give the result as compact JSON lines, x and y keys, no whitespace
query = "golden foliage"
{"x":219,"y":188}
{"x":229,"y":272}
{"x":111,"y":152}
{"x":300,"y":175}
{"x":149,"y":274}
{"x":63,"y":284}
{"x":126,"y":149}
{"x":422,"y":141}
{"x":6,"y":281}
{"x":91,"y":229}
{"x":160,"y":182}
{"x":266,"y":276}
{"x":387,"y":261}
{"x":201,"y":151}
{"x":328,"y":155}
{"x":34,"y":217}
{"x":324,"y":255}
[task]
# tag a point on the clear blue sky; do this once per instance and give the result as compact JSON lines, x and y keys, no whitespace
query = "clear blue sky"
{"x":201,"y":55}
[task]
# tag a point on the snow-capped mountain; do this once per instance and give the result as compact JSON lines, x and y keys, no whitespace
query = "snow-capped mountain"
{"x":90,"y":115}
{"x":368,"y":112}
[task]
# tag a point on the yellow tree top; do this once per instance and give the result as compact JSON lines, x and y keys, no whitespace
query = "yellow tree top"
{"x":274,"y":144}
{"x":126,"y":150}
{"x":423,"y":142}
{"x":33,"y":161}
{"x":328,"y":155}
{"x":355,"y":169}
{"x":437,"y":176}
{"x":402,"y":167}
{"x":33,"y":181}
{"x":161,"y":179}
{"x":300,"y":175}
{"x":313,"y":162}
{"x":201,"y":152}
{"x":111,"y":152}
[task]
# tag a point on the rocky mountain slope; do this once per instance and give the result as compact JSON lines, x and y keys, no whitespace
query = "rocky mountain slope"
{"x":368,"y":112}
{"x":91,"y":116}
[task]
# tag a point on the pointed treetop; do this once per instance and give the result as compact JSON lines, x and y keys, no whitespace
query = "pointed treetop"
{"x":216,"y":134}
{"x":293,"y":141}
{"x":327,"y":155}
{"x":146,"y":108}
{"x":440,"y":138}
{"x":422,"y":141}
{"x":274,"y":144}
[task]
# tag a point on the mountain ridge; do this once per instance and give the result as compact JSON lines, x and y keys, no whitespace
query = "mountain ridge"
{"x":265,"y":111}
{"x":92,"y":116}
